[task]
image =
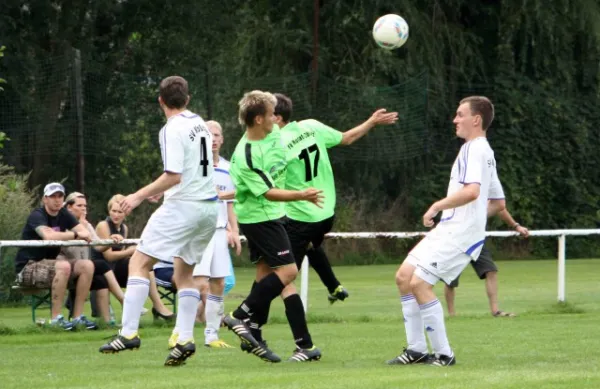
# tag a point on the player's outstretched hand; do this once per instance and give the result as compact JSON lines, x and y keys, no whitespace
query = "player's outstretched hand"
{"x":129,"y":203}
{"x":429,"y":215}
{"x":313,"y":195}
{"x":523,"y":231}
{"x":382,"y":116}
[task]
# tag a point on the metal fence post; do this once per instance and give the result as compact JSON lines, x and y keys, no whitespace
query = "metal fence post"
{"x":562,"y":242}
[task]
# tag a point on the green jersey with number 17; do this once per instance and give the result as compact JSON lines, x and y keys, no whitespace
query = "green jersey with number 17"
{"x":306,"y":144}
{"x":256,"y":167}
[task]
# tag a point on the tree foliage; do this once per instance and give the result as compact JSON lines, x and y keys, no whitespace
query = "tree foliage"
{"x":537,"y":60}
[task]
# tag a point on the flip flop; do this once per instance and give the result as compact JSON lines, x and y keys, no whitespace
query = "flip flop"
{"x":503,"y":314}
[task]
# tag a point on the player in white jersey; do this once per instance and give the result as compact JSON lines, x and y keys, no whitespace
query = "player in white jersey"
{"x":455,"y":241}
{"x":181,"y":228}
{"x":214,"y":274}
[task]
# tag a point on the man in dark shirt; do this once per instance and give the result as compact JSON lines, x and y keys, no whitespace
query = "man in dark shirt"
{"x":42,"y":267}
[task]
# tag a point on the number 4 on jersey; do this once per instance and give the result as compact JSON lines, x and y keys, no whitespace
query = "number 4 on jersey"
{"x":304,"y":154}
{"x":203,"y":157}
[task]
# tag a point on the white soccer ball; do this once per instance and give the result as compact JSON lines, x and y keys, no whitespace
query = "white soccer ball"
{"x":390,"y":31}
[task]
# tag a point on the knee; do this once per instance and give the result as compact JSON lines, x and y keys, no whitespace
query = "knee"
{"x":417,"y":284}
{"x":140,"y":262}
{"x":85,"y":266}
{"x":287,"y":273}
{"x":63,"y":269}
{"x":404,"y":276}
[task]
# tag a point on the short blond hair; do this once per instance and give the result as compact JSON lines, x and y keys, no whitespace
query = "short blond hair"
{"x":254,"y":104}
{"x":115,"y":199}
{"x":215,"y":124}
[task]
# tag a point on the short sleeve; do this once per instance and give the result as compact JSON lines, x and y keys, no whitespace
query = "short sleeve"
{"x":495,"y":191}
{"x":327,"y":135}
{"x":37,"y":219}
{"x":172,"y":149}
{"x":473,"y":161}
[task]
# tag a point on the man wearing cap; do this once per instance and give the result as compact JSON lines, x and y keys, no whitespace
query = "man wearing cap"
{"x":41,"y":267}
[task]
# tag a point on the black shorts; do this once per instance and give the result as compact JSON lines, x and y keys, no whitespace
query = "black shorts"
{"x":121,"y":270}
{"x":483,"y":265}
{"x":99,"y":281}
{"x":303,"y":234}
{"x":269,"y":241}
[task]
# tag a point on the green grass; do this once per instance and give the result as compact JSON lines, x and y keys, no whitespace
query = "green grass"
{"x":548,"y":345}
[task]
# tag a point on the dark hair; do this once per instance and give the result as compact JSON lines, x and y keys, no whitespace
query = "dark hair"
{"x":284,"y":107}
{"x":174,"y":92}
{"x":482,"y":106}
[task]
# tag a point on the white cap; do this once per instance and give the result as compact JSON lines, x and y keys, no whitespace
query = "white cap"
{"x":53,"y":187}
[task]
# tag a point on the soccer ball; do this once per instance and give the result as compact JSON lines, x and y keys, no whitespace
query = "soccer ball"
{"x":390,"y":31}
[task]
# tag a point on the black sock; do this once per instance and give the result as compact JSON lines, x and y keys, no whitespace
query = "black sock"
{"x":319,"y":261}
{"x":294,"y":310}
{"x":257,"y":320}
{"x":260,"y":297}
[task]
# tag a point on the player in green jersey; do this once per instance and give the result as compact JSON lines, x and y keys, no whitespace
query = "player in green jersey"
{"x":258,"y":169}
{"x":306,"y":143}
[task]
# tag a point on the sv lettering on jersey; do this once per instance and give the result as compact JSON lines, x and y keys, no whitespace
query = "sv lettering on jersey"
{"x":196,"y":130}
{"x":491,"y":163}
{"x":300,"y":138}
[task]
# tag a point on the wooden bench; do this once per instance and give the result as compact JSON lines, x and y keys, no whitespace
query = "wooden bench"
{"x":37,"y":298}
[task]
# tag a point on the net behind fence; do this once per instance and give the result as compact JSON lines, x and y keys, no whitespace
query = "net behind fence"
{"x":41,"y":119}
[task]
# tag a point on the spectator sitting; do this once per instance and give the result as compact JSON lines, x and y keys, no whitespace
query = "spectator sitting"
{"x":41,"y":267}
{"x":104,"y":278}
{"x":118,"y":257}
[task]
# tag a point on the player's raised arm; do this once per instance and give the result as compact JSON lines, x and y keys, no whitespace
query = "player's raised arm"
{"x":379,"y":117}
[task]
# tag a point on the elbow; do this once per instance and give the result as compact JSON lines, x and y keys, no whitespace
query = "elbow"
{"x":500,"y":205}
{"x":173,"y":178}
{"x":346,"y":139}
{"x":473,"y":193}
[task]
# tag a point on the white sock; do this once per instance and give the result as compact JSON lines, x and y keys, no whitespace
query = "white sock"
{"x":214,"y":313}
{"x":433,"y":319}
{"x":135,"y":297}
{"x":413,"y":323}
{"x":186,"y":313}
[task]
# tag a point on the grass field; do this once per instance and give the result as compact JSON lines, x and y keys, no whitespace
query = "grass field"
{"x":547,"y":346}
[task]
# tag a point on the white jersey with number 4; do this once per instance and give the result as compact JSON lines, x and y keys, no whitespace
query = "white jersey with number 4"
{"x":185,"y":145}
{"x":224,"y":183}
{"x":464,"y":227}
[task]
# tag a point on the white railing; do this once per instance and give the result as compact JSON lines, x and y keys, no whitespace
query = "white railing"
{"x":560,"y":234}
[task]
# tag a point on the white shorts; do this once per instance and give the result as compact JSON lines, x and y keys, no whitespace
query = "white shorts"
{"x":179,"y":229}
{"x":216,"y":261}
{"x":437,"y":259}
